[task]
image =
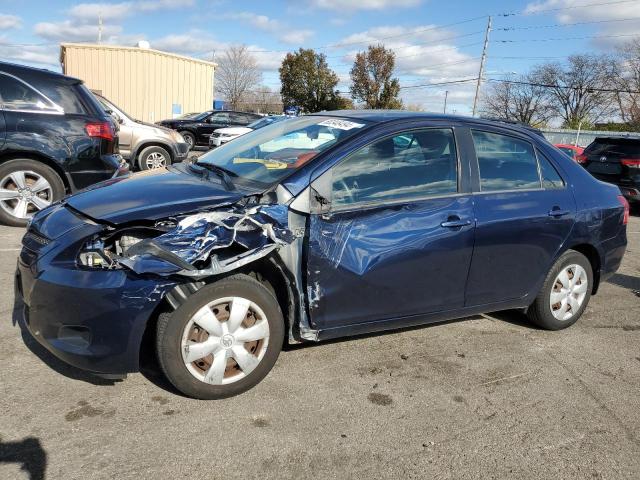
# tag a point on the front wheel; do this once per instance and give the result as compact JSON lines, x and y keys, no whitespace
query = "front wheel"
{"x":565,"y":293}
{"x":153,"y":157}
{"x":223,"y":340}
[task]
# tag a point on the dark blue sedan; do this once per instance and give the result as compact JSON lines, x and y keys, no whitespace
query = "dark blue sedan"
{"x":317,"y":227}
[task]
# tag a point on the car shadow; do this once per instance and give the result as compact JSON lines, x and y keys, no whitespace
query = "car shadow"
{"x":28,"y":453}
{"x":47,"y":357}
{"x":625,"y":281}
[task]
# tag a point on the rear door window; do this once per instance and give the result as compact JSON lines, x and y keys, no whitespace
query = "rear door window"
{"x":18,"y":95}
{"x":505,"y":162}
{"x":409,"y":165}
{"x":551,"y":179}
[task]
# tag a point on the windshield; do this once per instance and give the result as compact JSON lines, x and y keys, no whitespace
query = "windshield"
{"x":269,"y":154}
{"x":193,"y":116}
{"x":110,"y":106}
{"x":263,"y":122}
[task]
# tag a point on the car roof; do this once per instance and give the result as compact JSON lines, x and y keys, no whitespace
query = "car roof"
{"x":383,"y":116}
{"x":617,"y":139}
{"x":15,"y":69}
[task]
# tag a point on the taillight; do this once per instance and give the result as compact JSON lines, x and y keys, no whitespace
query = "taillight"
{"x":100,"y":130}
{"x":631,"y":162}
{"x":581,"y":158}
{"x":625,"y":204}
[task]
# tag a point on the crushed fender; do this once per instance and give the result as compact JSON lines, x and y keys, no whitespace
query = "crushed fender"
{"x":212,"y":243}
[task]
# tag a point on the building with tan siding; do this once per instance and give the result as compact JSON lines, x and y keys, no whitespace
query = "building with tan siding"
{"x":149,"y":85}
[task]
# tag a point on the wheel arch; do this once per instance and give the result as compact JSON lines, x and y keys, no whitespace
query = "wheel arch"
{"x":267,"y":271}
{"x":152,"y":143}
{"x":68,"y":186}
{"x":593,"y":255}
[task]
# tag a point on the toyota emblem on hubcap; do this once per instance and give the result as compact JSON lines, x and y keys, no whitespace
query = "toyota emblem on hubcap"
{"x":226,"y":341}
{"x":603,"y":159}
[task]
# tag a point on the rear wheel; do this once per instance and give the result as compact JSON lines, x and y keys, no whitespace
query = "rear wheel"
{"x":153,"y":157}
{"x":223,"y":340}
{"x":189,"y":139}
{"x":26,"y":187}
{"x":565,"y":293}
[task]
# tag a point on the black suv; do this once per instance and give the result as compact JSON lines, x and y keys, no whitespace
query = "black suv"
{"x":197,"y":127}
{"x":615,"y":160}
{"x":55,"y":138}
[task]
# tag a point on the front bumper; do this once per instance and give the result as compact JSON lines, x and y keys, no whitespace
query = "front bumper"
{"x":180,"y":151}
{"x":91,"y":319}
{"x":217,"y":141}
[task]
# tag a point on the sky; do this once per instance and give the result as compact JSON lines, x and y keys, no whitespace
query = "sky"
{"x":435,"y":41}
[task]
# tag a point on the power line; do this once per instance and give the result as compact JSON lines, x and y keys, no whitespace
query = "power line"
{"x":564,"y":38}
{"x":558,"y":9}
{"x":562,"y":87}
{"x":557,"y":25}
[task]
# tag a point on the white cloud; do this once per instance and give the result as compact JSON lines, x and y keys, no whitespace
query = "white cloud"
{"x":363,"y":4}
{"x":619,"y":19}
{"x":47,"y":55}
{"x":68,"y":31}
{"x":270,"y":25}
{"x":9,"y":21}
{"x":117,"y":11}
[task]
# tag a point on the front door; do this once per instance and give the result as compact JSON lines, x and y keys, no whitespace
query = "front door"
{"x":397,"y":238}
{"x":524,"y":212}
{"x":208,"y":125}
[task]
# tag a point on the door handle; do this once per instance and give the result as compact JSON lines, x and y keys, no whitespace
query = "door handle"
{"x":556,"y":212}
{"x":455,"y":223}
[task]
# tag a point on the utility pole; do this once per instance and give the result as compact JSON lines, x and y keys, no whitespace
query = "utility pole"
{"x":446,"y":94}
{"x":482,"y":60}
{"x":100,"y":27}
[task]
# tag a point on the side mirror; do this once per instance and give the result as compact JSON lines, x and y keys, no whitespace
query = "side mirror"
{"x":316,"y":198}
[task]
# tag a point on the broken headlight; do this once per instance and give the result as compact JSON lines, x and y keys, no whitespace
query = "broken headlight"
{"x":103,"y":252}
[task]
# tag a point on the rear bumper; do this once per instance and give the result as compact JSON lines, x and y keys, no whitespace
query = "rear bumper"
{"x":93,"y":320}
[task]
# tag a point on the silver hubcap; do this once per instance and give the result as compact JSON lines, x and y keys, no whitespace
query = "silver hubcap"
{"x":189,"y":140}
{"x":569,"y":291}
{"x":225,"y":340}
{"x":155,"y":160}
{"x":23,"y":193}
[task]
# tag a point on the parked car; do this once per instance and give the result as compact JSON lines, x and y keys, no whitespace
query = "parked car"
{"x":223,"y":135}
{"x":571,"y":150}
{"x":615,"y":160}
{"x":197,"y":129}
{"x":55,"y":138}
{"x":145,"y":145}
{"x":378,"y":220}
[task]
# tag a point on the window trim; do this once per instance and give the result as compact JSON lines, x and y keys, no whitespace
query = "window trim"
{"x":512,"y":190}
{"x":377,"y":203}
{"x":55,"y":110}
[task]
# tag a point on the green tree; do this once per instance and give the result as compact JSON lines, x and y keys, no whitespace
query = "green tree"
{"x":308,"y":82}
{"x":371,"y":78}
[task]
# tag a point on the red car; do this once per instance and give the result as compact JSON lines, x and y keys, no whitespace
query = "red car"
{"x":572,"y":150}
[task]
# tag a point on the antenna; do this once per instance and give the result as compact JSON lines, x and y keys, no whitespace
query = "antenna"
{"x":100,"y":27}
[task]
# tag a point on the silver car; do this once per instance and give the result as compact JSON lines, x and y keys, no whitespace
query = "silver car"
{"x":144,"y":145}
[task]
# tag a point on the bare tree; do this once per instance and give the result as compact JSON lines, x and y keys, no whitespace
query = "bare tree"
{"x":578,"y":88}
{"x":627,"y":82}
{"x":263,"y":100}
{"x":518,"y":98}
{"x":237,"y":73}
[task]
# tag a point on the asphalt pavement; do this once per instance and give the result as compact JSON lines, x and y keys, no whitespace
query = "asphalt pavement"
{"x":485,"y":397}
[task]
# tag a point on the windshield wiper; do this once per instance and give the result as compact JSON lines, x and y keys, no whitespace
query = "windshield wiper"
{"x":223,"y":173}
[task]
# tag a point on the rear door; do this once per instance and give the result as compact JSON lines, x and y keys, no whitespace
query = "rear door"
{"x":524,"y":213}
{"x":397,"y":238}
{"x":3,"y":127}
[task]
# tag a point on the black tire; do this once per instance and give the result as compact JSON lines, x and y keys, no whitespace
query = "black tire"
{"x":171,"y":329}
{"x":540,"y":312}
{"x":189,"y":138}
{"x":27,"y":165}
{"x":143,"y":160}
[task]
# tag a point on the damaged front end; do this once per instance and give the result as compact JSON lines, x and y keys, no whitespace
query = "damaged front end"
{"x":193,"y":246}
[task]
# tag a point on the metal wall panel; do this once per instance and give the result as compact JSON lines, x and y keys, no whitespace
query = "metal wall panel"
{"x":145,"y":83}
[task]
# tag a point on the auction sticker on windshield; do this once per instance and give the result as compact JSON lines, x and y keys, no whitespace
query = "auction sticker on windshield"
{"x":341,"y":124}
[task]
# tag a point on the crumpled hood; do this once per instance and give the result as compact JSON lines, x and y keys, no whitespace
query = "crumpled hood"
{"x":152,"y":195}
